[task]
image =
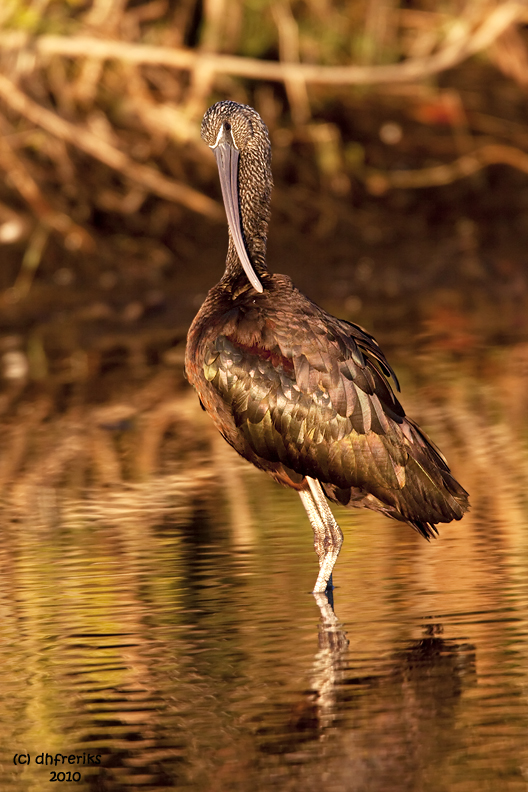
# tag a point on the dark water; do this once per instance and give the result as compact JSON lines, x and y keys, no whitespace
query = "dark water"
{"x":158,"y":642}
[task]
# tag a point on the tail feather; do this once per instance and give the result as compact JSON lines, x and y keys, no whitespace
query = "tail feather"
{"x":429,"y":494}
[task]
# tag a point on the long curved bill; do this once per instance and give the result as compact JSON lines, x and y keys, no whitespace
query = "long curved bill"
{"x":226,"y":155}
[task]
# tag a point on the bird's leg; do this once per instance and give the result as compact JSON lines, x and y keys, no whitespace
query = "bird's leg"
{"x":327,"y":534}
{"x":333,"y":537}
{"x":316,"y":522}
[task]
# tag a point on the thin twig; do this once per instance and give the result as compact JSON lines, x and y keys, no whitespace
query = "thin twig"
{"x":30,"y":263}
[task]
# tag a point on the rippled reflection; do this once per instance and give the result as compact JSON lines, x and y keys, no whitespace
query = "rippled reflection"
{"x":167,"y":625}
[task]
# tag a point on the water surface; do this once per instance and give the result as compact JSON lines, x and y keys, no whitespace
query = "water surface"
{"x":166,"y":629}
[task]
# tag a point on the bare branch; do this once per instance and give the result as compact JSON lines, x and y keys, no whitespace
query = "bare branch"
{"x":452,"y":53}
{"x":492,"y":154}
{"x":102,"y":150}
{"x":288,"y":32}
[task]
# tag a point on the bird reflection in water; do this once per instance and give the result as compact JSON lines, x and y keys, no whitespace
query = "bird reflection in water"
{"x":300,"y":394}
{"x":385,"y":718}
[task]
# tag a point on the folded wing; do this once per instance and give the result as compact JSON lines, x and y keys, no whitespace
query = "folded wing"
{"x":315,"y":399}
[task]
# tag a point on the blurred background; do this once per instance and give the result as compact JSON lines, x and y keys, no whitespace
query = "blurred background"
{"x":154,"y":595}
{"x":399,"y":143}
{"x":399,"y":156}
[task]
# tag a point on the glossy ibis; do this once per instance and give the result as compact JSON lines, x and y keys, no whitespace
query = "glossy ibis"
{"x":300,"y":394}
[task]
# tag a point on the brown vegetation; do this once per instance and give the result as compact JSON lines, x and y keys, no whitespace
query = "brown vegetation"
{"x":124,"y":85}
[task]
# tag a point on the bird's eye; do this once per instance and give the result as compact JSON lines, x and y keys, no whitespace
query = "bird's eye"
{"x":227,"y":126}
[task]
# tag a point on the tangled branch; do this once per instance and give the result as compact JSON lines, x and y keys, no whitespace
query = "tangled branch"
{"x":102,"y":150}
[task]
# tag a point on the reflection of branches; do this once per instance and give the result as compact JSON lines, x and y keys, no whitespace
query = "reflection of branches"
{"x":87,"y":449}
{"x":466,"y":44}
{"x":102,"y":150}
{"x":492,"y":154}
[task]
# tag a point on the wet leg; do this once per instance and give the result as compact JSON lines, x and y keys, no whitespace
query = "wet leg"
{"x":327,"y":534}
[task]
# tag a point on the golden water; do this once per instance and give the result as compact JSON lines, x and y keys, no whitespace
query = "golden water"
{"x":165,"y":624}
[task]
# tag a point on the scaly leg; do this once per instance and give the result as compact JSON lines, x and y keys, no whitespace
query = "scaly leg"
{"x":327,"y":533}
